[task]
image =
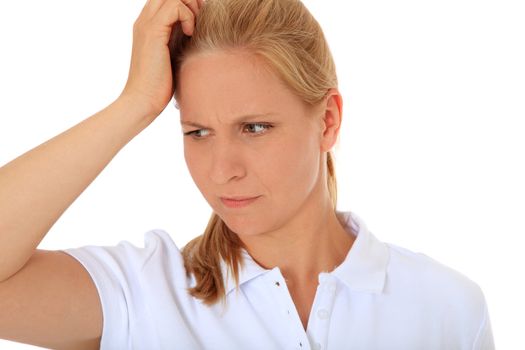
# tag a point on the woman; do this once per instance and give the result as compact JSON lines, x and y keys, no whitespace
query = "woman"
{"x":278,"y":266}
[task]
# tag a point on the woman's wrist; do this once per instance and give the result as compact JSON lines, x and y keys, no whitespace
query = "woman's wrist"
{"x":135,"y":111}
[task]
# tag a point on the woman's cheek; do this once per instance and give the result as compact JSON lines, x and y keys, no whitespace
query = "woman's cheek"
{"x":287,"y":162}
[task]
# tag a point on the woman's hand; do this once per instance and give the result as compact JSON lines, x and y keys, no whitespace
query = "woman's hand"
{"x":150,"y":82}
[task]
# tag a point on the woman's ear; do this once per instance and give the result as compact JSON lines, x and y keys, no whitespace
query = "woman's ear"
{"x":331,"y":117}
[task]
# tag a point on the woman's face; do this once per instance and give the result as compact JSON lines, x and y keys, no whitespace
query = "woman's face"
{"x":247,"y":135}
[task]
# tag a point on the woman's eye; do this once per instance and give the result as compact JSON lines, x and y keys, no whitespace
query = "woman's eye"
{"x":258,"y":128}
{"x":196,"y":133}
{"x":253,"y":129}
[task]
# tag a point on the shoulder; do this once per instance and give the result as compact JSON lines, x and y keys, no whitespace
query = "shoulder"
{"x":159,"y":252}
{"x":428,"y":279}
{"x":456,"y":302}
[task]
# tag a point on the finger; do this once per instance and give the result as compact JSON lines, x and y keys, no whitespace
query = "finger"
{"x":193,"y":5}
{"x":151,"y":7}
{"x":175,"y":11}
{"x":187,"y":20}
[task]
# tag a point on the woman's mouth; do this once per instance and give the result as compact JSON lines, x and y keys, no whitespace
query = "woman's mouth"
{"x":238,"y":202}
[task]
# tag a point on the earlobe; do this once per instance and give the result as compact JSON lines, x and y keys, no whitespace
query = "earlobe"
{"x":331,"y":119}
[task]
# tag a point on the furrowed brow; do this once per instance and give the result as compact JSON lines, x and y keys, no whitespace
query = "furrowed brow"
{"x":240,"y":120}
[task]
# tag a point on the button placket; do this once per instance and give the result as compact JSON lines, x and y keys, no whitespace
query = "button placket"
{"x":332,"y":287}
{"x":286,"y":305}
{"x":323,"y":314}
{"x":322,"y":311}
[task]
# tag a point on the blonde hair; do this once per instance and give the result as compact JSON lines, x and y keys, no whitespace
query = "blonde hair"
{"x":291,"y":42}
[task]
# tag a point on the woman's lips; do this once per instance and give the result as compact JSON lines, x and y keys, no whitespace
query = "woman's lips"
{"x":238,"y":203}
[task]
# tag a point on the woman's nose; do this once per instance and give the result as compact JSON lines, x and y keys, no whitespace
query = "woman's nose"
{"x":226,"y":162}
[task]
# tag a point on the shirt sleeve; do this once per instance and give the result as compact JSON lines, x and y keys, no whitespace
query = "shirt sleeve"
{"x":116,"y":273}
{"x":484,"y":339}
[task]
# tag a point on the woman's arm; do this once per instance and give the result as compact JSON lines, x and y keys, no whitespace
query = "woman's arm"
{"x":47,"y":298}
{"x":37,"y":187}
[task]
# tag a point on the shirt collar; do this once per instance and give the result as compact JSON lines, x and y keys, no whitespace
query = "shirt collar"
{"x":250,"y":270}
{"x":364,"y":268}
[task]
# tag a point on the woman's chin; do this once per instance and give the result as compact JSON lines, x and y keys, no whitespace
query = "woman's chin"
{"x":242,"y":225}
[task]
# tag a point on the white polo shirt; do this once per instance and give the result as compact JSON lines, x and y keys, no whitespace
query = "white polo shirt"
{"x":381,"y":297}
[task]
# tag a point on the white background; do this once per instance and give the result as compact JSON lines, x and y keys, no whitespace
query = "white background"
{"x":432,"y":146}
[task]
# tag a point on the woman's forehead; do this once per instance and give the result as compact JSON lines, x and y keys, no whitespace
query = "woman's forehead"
{"x":227,"y":72}
{"x":231,"y":84}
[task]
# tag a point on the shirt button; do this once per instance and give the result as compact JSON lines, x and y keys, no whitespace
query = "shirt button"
{"x":317,"y":346}
{"x":323,"y":314}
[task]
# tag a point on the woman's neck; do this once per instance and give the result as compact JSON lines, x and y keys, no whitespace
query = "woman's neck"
{"x":313,"y":241}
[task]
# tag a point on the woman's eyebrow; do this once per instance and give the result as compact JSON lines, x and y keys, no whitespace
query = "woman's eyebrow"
{"x":239,"y":120}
